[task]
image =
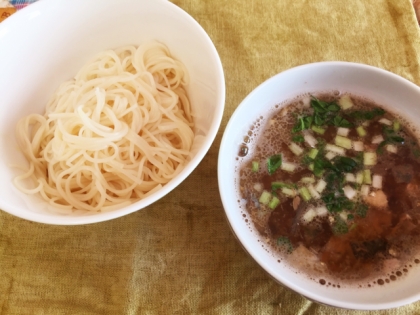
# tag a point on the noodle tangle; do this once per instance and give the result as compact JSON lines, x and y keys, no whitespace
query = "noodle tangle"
{"x":117,"y":132}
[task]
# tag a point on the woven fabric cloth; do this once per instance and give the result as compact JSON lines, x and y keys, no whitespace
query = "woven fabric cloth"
{"x":179,"y":256}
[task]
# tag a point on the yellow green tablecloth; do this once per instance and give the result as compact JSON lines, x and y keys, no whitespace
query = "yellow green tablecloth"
{"x":179,"y":256}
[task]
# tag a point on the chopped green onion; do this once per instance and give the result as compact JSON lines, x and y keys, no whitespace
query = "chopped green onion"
{"x":277,"y":185}
{"x":320,"y":186}
{"x":265,"y":197}
{"x":297,"y":150}
{"x":258,"y":187}
{"x":274,"y":203}
{"x":358,"y":146}
{"x":385,"y":121}
{"x":309,"y":215}
{"x":377,"y":139}
{"x":288,"y":167}
{"x":307,"y":180}
{"x":350,"y":178}
{"x":343,"y":142}
{"x":377,"y":181}
{"x":255,"y":166}
{"x":273,"y":163}
{"x":396,"y":125}
{"x":370,"y":158}
{"x":345,"y":102}
{"x":288,"y":192}
{"x":330,"y":155}
{"x":361,"y":131}
{"x":339,"y":121}
{"x":391,"y":148}
{"x":335,"y":149}
{"x":313,"y":153}
{"x":367,"y":178}
{"x":359,"y":178}
{"x":339,"y":226}
{"x":306,"y":101}
{"x":311,"y":166}
{"x":349,"y":192}
{"x":343,"y":215}
{"x":364,"y":190}
{"x":302,"y":123}
{"x":298,"y":138}
{"x":318,"y":130}
{"x":313,"y":192}
{"x":285,"y":243}
{"x":321,"y":211}
{"x":310,"y":139}
{"x":304,"y":193}
{"x":367,"y":114}
{"x":344,"y":132}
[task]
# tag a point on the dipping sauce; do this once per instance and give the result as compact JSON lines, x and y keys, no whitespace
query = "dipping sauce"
{"x":334,"y":180}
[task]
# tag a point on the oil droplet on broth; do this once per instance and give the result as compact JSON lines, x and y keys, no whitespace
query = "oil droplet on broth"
{"x":243,"y":151}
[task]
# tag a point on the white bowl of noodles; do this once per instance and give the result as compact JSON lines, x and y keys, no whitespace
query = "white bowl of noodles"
{"x":114,"y":104}
{"x":244,"y":129}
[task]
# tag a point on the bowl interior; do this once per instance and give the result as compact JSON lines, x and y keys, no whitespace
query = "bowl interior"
{"x":381,"y":86}
{"x":47,"y":43}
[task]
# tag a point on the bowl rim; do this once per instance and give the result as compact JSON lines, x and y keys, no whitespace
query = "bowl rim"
{"x":46,"y":7}
{"x":232,"y":214}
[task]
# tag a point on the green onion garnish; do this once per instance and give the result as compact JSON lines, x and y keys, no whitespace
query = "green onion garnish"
{"x":265,"y":197}
{"x":255,"y":166}
{"x":304,"y":193}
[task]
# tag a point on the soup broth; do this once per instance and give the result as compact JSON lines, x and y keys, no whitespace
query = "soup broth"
{"x":332,"y":182}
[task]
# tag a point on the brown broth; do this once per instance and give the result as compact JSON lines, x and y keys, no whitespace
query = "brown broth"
{"x":373,"y":245}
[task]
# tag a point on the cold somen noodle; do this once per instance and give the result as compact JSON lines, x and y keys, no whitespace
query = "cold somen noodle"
{"x":118,"y":131}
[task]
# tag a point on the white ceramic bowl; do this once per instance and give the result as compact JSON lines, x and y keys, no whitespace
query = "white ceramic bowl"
{"x":379,"y":85}
{"x":48,"y":42}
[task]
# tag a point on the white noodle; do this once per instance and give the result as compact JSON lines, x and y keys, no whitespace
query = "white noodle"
{"x":117,"y":132}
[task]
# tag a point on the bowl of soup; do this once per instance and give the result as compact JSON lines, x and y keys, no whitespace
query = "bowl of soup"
{"x":319,"y":178}
{"x":106,"y":107}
